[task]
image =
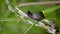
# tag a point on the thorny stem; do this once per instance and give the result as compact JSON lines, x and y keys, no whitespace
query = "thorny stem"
{"x":46,"y":24}
{"x":23,"y":14}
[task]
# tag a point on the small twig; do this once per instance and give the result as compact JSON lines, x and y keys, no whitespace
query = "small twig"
{"x":28,"y":29}
{"x":38,"y":3}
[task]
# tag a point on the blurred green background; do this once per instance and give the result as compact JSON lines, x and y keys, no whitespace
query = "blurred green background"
{"x":10,"y":23}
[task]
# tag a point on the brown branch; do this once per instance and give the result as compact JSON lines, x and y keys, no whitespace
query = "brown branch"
{"x":38,"y":3}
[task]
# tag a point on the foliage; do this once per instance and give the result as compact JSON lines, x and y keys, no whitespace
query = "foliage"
{"x":10,"y":23}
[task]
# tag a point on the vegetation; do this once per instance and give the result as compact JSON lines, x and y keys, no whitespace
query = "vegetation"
{"x":11,"y":23}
